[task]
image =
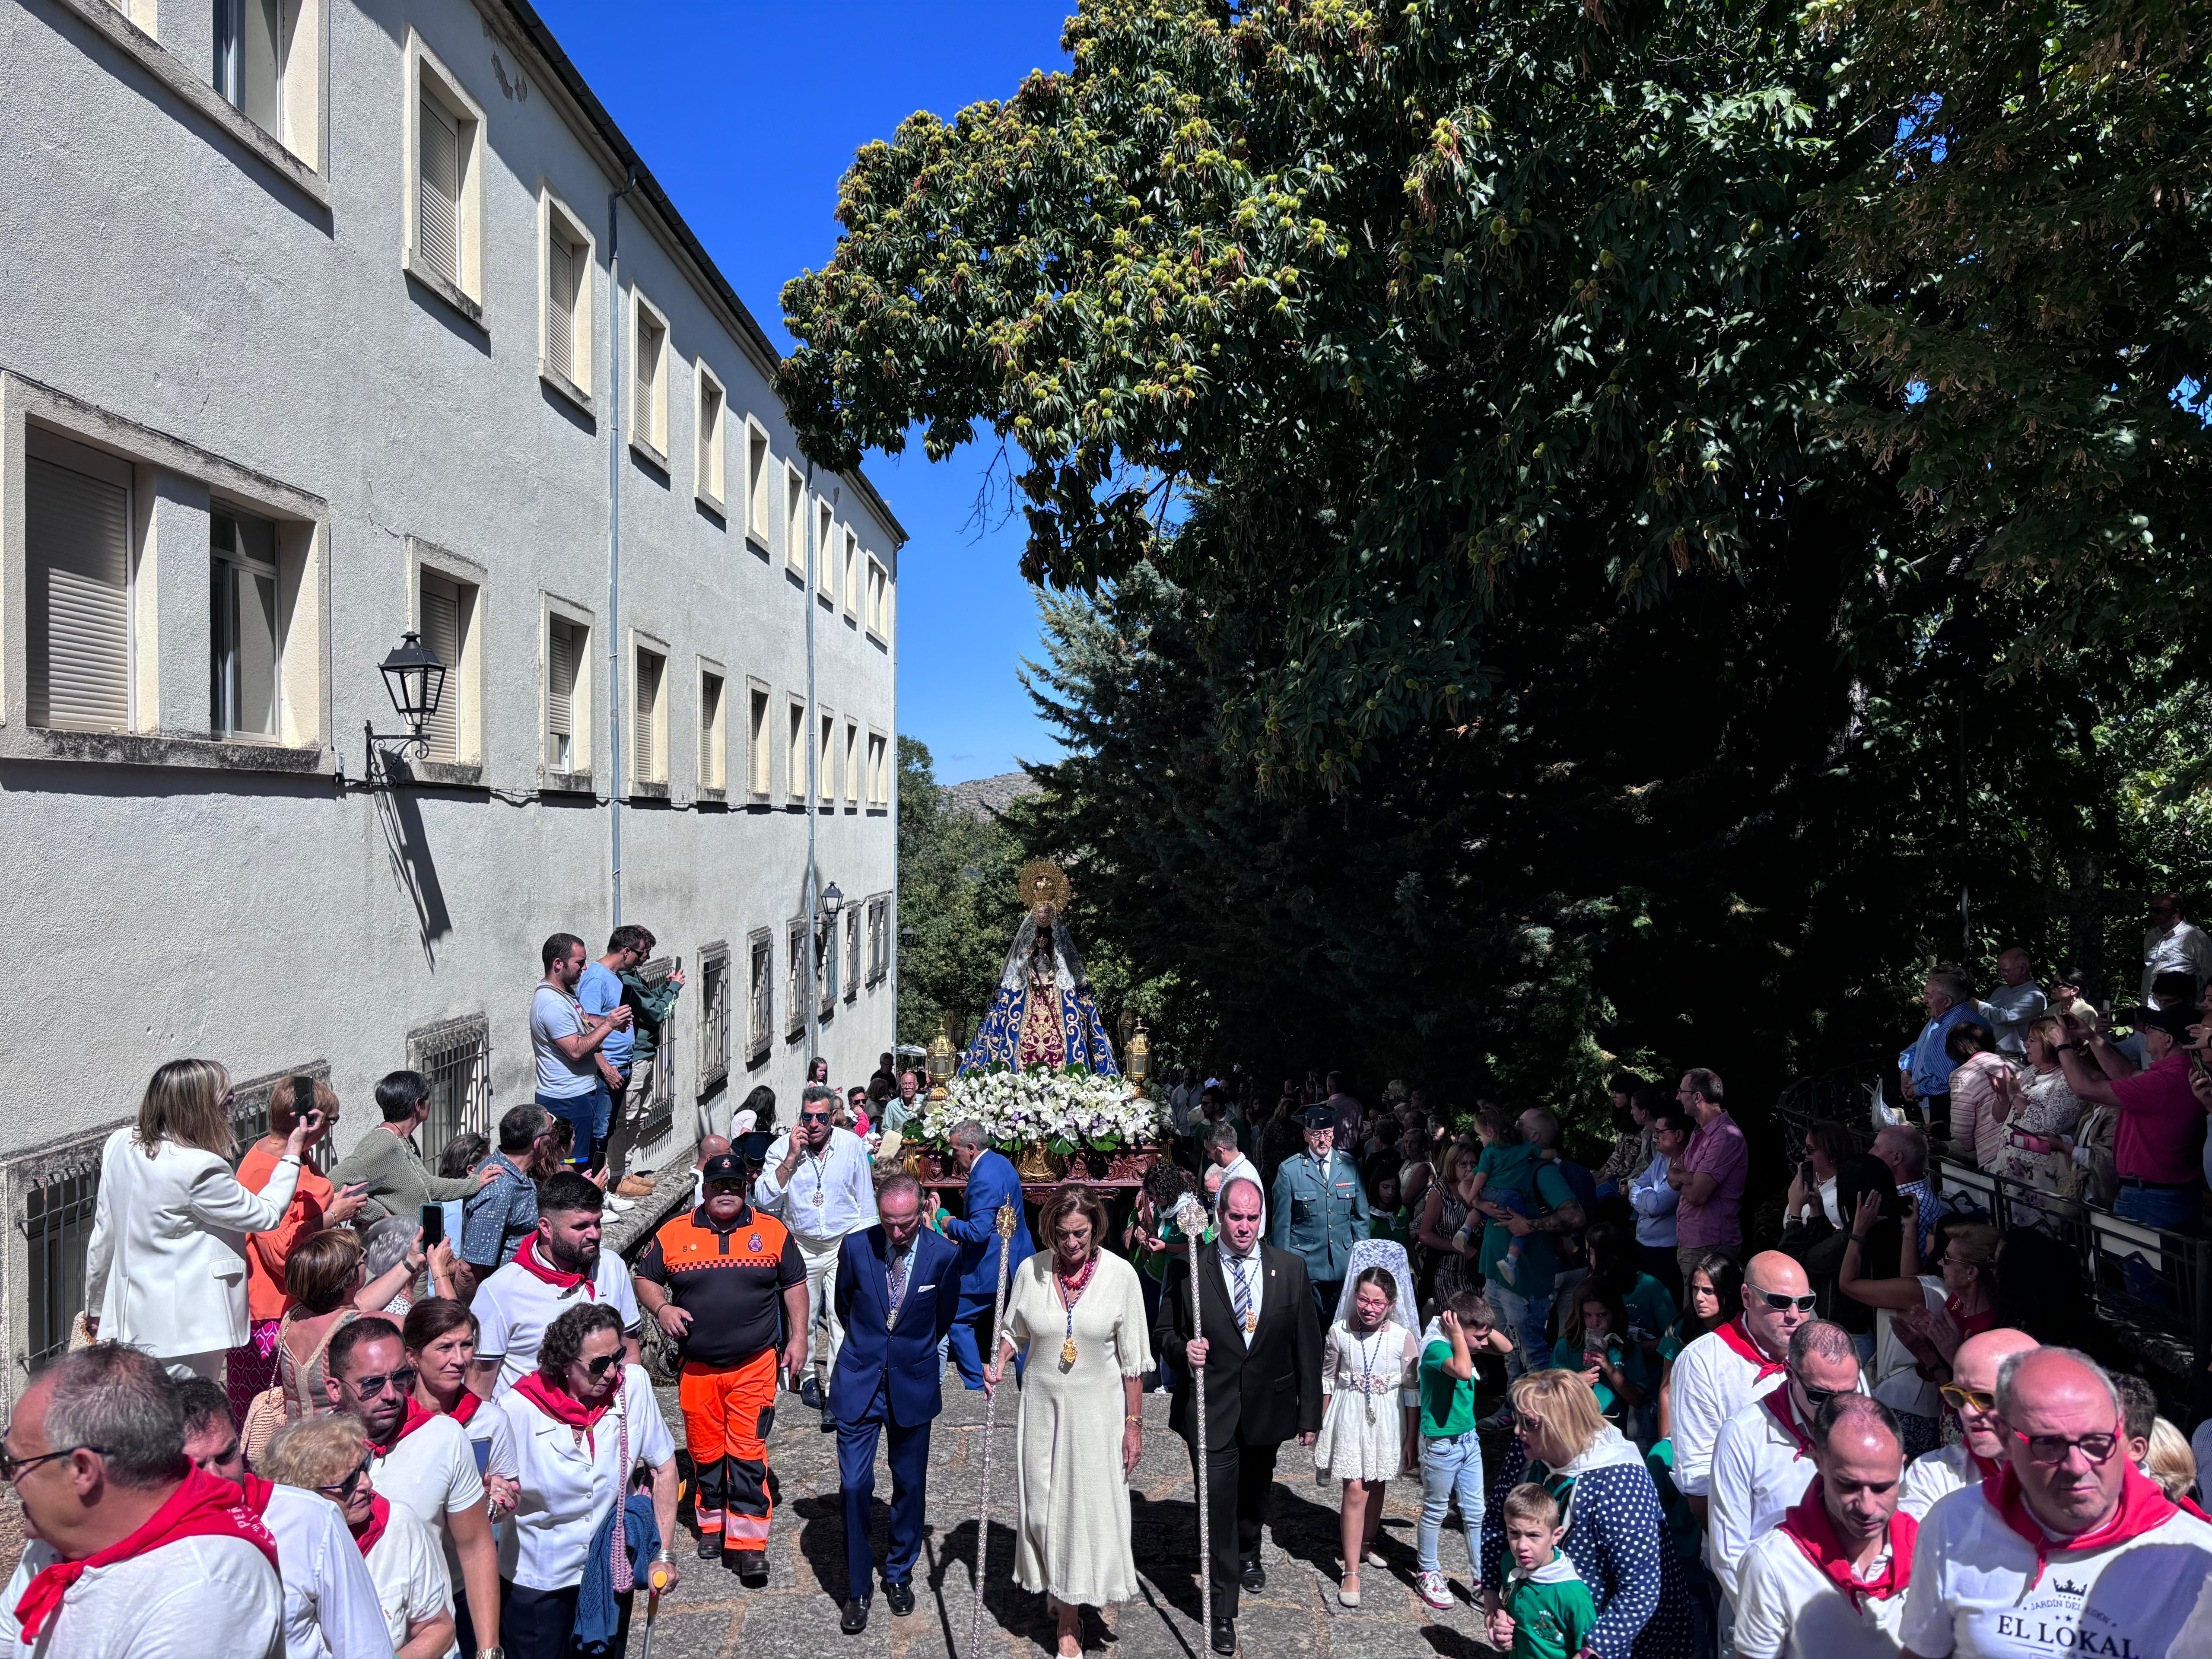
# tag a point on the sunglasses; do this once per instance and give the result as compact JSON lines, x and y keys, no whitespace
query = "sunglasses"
{"x":1817,"y":1398}
{"x":402,"y":1380}
{"x":1782,"y":1303}
{"x":596,"y":1369}
{"x":2050,"y":1449}
{"x":13,"y":1468}
{"x":347,"y":1487}
{"x":814,"y":1117}
{"x":1959,"y":1399}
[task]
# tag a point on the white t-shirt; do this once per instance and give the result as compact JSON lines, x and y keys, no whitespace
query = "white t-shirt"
{"x":553,"y":1015}
{"x":431,"y":1472}
{"x":1790,"y":1609}
{"x":569,"y":1488}
{"x":1971,"y":1596}
{"x":1933,"y":1476}
{"x":1757,"y":1475}
{"x":512,"y":1308}
{"x":1711,"y":1383}
{"x":1897,"y":1380}
{"x":409,"y":1575}
{"x":194,"y":1599}
{"x":330,"y":1600}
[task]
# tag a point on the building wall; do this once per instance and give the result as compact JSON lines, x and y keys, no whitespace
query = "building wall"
{"x":235,"y":323}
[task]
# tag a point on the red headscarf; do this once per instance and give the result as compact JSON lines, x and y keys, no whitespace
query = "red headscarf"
{"x":531,"y":1260}
{"x":1737,"y":1337}
{"x":204,"y":1506}
{"x":564,"y":1408}
{"x":1807,"y":1527}
{"x":2142,"y":1508}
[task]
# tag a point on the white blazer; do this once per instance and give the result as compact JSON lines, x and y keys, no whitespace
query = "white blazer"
{"x":165,"y":1270}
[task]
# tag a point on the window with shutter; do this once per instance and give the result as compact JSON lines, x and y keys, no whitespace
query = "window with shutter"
{"x":852,"y":574}
{"x":647,"y":422}
{"x":852,"y":764}
{"x":794,"y":520}
{"x":563,"y":261}
{"x":709,"y":461}
{"x":826,"y":767}
{"x":438,"y":190}
{"x":77,"y":530}
{"x":563,"y":652}
{"x":758,"y":484}
{"x":441,"y":637}
{"x":710,"y":731}
{"x":795,"y":781}
{"x":758,"y":753}
{"x":825,"y":565}
{"x":646,"y":763}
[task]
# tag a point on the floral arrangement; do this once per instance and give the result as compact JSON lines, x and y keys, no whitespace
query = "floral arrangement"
{"x":1064,"y":1109}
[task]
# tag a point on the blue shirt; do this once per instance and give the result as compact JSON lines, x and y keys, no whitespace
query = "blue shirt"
{"x":600,"y":991}
{"x":1654,"y":1201}
{"x":1924,"y":1062}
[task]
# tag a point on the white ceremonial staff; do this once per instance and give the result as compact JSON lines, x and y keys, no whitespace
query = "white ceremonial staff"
{"x":1006,"y":1230}
{"x":1190,"y":1216}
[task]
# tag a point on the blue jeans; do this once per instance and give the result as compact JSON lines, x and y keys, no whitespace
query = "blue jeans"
{"x":588,"y":1115}
{"x":2172,"y":1210}
{"x":1451,"y":1467}
{"x":1525,"y":1319}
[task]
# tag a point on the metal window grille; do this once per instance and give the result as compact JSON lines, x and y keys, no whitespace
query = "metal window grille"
{"x":456,"y":1057}
{"x":825,"y":966}
{"x":760,"y":995}
{"x":852,"y":952}
{"x":794,"y":1000}
{"x":714,"y":1019}
{"x":56,"y":1224}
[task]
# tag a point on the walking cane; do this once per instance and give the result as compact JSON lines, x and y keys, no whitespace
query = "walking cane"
{"x":1190,"y":1216}
{"x":656,"y":1578}
{"x":1005,"y":1228}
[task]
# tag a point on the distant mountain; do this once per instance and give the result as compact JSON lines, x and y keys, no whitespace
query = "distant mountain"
{"x":984,"y":798}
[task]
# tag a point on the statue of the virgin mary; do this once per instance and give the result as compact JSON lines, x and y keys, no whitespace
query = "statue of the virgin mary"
{"x":1043,"y":1012}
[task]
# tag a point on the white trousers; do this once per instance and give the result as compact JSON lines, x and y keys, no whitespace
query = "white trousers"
{"x":826,"y":1334}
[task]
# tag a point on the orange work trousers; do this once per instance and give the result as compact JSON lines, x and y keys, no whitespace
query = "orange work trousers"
{"x":728,"y":1411}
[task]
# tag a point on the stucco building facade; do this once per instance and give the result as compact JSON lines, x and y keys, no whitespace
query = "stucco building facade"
{"x":330,"y":320}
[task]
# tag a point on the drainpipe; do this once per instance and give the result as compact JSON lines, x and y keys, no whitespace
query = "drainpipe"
{"x":813,"y":792}
{"x":614,"y":542}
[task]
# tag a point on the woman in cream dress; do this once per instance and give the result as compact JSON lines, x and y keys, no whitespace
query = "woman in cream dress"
{"x":1076,"y":1312}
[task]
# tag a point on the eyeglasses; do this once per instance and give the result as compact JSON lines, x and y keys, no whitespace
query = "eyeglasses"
{"x":1817,"y":1398}
{"x":13,"y":1468}
{"x":346,"y":1488}
{"x":402,"y":1380}
{"x":596,"y":1369}
{"x":1959,"y":1399}
{"x":2049,"y":1449}
{"x":1782,"y":1303}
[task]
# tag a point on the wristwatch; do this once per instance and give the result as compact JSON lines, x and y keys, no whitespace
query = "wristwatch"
{"x":491,"y":1653}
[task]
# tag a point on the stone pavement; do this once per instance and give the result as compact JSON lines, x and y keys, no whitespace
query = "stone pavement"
{"x":710,"y":1614}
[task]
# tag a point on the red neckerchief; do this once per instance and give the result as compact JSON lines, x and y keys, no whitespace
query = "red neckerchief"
{"x":1783,"y":1410}
{"x":528,"y":1258}
{"x":379,"y":1517}
{"x":1739,"y":1343}
{"x":204,"y":1506}
{"x":415,"y":1418}
{"x":1969,"y":1324}
{"x":2142,"y":1507}
{"x":564,"y":1408}
{"x":1809,"y":1529}
{"x":467,"y":1406}
{"x":257,"y":1492}
{"x":1989,"y":1469}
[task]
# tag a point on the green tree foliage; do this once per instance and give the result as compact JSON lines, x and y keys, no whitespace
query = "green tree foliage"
{"x":956,"y":895}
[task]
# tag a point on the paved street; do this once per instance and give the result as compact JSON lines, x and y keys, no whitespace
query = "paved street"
{"x":711,"y":1615}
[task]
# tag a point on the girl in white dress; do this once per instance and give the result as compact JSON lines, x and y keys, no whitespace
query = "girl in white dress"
{"x":1370,"y":1371}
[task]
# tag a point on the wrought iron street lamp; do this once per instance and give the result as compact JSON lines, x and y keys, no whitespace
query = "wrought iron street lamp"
{"x":416,"y":682}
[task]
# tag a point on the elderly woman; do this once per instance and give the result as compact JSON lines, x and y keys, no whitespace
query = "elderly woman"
{"x":1616,"y":1533}
{"x":330,"y":1455}
{"x":165,"y":1268}
{"x":581,"y":1423}
{"x":1978,"y":1074}
{"x":1077,"y":1312}
{"x":2037,"y":1112}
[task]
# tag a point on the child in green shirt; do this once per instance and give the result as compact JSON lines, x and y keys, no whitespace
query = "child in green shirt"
{"x":1545,"y":1597}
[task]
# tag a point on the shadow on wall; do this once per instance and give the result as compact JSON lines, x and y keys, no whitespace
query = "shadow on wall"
{"x":408,"y":849}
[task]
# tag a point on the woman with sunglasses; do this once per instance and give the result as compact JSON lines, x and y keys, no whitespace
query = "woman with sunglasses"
{"x":581,"y":1422}
{"x":1616,"y":1533}
{"x":330,"y":1455}
{"x":165,"y":1268}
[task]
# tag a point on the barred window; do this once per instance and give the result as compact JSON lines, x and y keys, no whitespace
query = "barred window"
{"x":714,"y":1018}
{"x":760,"y":1031}
{"x":455,"y":1055}
{"x":794,"y":996}
{"x":852,"y":952}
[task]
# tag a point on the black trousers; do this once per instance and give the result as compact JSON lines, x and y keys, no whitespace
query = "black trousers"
{"x":535,"y":1624}
{"x":1239,"y":1479}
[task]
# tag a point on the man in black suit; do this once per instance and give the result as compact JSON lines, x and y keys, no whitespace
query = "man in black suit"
{"x":1260,"y":1349}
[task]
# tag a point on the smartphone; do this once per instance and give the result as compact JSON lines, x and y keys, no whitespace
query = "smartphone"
{"x":434,"y":1225}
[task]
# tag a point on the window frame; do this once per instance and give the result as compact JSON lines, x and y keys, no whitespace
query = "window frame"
{"x":173,"y":486}
{"x":825,"y":554}
{"x":798,"y":742}
{"x":760,"y":741}
{"x":301,"y":80}
{"x":760,"y":489}
{"x":243,"y":563}
{"x":852,"y":752}
{"x":427,"y":74}
{"x":876,"y":617}
{"x":557,"y":219}
{"x":466,"y":679}
{"x":760,"y":995}
{"x":652,"y":445}
{"x":853,"y":966}
{"x":710,"y":439}
{"x":715,"y":1044}
{"x":825,"y":758}
{"x":649,"y":784}
{"x":714,"y":754}
{"x":794,"y":523}
{"x":879,"y":798}
{"x":794,"y":1015}
{"x":582,"y":702}
{"x":853,"y":577}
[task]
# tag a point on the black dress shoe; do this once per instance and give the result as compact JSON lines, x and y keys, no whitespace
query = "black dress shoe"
{"x":752,"y":1568}
{"x":1225,"y":1636}
{"x":710,"y":1547}
{"x":855,"y":1620}
{"x":1252,"y":1576}
{"x":829,"y":1420}
{"x":810,"y":1391}
{"x":899,"y":1598}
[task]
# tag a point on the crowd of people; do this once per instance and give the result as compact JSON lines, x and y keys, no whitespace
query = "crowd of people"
{"x":296,"y":1417}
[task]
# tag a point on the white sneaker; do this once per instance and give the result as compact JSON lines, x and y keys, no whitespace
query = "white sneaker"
{"x":620,"y":1205}
{"x":1434,"y":1590}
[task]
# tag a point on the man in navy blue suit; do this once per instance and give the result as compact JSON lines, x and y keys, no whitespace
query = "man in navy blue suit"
{"x":992,"y":1181}
{"x":896,"y":1293}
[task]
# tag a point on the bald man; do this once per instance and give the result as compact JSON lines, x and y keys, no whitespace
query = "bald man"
{"x":2049,"y":1565}
{"x":1971,"y":1396}
{"x":709,"y":1146}
{"x":1725,"y":1369}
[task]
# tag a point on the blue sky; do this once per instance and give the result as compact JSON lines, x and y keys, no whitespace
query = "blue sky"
{"x":748,"y":113}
